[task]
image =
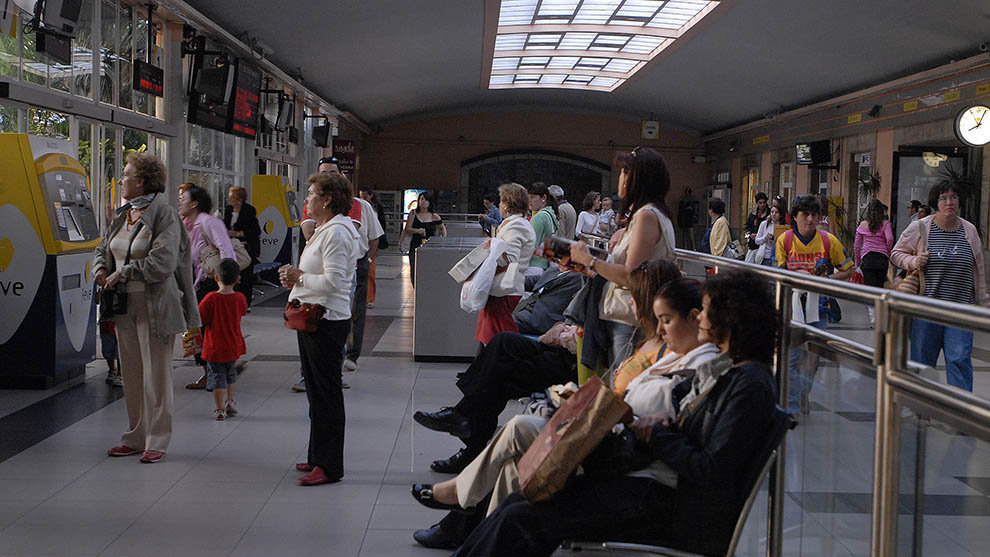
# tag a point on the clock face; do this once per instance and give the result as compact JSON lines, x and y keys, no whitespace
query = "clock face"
{"x":973,"y":126}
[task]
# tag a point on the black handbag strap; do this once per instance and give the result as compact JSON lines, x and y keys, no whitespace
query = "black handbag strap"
{"x":127,"y":258}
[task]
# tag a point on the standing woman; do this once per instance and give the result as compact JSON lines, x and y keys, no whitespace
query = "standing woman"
{"x":507,"y":289}
{"x":643,"y":185}
{"x":952,"y":259}
{"x":241,"y":220}
{"x":588,"y":219}
{"x":764,"y":236}
{"x":203,"y":228}
{"x":544,"y":220}
{"x":422,"y":224}
{"x":323,"y":277}
{"x":160,"y":302}
{"x":874,"y":240}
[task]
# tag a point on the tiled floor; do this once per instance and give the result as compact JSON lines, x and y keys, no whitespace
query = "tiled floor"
{"x":229,"y":488}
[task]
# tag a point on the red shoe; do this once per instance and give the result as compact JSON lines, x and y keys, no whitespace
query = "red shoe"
{"x":317,"y":477}
{"x":122,"y":450}
{"x":304,"y":467}
{"x":151,"y":457}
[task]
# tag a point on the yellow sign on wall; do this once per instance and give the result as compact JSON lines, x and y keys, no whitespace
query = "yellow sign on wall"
{"x":854,"y":118}
{"x":983,"y":89}
{"x":761,"y":139}
{"x":910,"y":105}
{"x":951,"y":96}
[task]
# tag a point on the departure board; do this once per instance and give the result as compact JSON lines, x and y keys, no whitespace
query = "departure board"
{"x":244,"y":109}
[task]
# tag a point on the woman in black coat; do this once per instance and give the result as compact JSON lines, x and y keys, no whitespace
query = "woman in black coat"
{"x":241,"y":220}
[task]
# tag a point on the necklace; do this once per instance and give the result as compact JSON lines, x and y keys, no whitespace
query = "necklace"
{"x":131,"y":222}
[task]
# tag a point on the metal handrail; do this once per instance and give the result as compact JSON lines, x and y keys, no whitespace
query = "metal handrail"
{"x":898,"y":378}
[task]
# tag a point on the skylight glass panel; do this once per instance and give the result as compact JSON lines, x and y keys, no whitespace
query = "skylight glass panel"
{"x":517,"y":12}
{"x":577,"y":41}
{"x":603,"y":82}
{"x":563,"y":62}
{"x":596,"y":11}
{"x":505,"y":63}
{"x":513,"y":41}
{"x":613,"y":41}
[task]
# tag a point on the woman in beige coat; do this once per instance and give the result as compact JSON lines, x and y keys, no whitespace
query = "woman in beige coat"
{"x":160,"y":302}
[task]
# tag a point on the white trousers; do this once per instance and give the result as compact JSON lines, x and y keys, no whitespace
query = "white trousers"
{"x":495,"y":469}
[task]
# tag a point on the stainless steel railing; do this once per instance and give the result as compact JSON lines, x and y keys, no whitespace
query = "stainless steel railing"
{"x":899,"y":383}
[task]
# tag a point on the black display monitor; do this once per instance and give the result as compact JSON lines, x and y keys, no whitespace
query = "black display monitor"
{"x":247,"y":94}
{"x":321,"y":135}
{"x":210,"y":91}
{"x":821,"y":152}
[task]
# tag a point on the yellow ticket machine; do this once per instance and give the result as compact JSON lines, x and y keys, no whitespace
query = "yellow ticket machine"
{"x":48,"y":231}
{"x":278,"y":214}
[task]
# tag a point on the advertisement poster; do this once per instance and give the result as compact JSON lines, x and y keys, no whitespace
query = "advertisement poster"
{"x":346,"y":152}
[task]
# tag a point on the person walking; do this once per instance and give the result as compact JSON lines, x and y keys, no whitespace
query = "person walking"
{"x":765,"y":236}
{"x":718,"y":235}
{"x":241,"y":220}
{"x":948,"y":249}
{"x":874,"y":240}
{"x":753,"y":253}
{"x":146,"y":253}
{"x":368,"y":195}
{"x":422,"y":225}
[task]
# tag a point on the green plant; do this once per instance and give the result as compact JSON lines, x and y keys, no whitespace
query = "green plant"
{"x":869,"y":184}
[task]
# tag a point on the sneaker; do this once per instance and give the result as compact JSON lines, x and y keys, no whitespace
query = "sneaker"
{"x":151,"y":457}
{"x":300,"y":387}
{"x":115,"y":380}
{"x":344,"y":384}
{"x":350,"y":365}
{"x":122,"y":450}
{"x":219,"y":415}
{"x":231,"y":408}
{"x":371,"y":305}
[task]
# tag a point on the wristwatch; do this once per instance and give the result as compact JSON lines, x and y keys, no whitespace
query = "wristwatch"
{"x":299,"y":280}
{"x":591,"y":266}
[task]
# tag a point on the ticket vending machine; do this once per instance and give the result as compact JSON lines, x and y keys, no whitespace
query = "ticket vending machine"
{"x":278,"y":216}
{"x":48,"y":231}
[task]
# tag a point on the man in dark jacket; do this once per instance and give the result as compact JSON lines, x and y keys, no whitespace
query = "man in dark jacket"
{"x":753,"y":226}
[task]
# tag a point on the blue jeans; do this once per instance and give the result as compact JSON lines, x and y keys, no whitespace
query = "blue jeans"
{"x":801,"y":381}
{"x":928,"y":339}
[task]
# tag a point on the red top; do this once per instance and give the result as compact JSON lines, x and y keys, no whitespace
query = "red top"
{"x":221,"y":315}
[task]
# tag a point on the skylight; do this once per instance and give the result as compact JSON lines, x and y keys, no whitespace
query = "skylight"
{"x":585,"y":44}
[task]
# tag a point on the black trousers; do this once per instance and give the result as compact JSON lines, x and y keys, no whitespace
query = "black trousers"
{"x":874,"y":266}
{"x":322,"y":354}
{"x":246,"y":284}
{"x":359,"y":309}
{"x":593,"y":509}
{"x":510,"y":366}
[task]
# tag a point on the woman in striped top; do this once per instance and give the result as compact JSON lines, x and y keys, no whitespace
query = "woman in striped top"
{"x":952,"y":260}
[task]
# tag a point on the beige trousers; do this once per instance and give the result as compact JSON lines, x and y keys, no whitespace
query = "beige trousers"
{"x":494,"y":470}
{"x":146,"y":368}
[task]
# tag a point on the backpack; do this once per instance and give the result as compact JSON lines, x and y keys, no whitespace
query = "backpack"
{"x":789,"y":241}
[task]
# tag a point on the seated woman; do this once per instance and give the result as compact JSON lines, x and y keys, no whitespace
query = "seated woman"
{"x":494,"y":471}
{"x":721,"y":417}
{"x":513,"y":366}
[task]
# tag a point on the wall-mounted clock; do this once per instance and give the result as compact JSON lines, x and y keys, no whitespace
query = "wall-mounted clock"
{"x":973,"y":125}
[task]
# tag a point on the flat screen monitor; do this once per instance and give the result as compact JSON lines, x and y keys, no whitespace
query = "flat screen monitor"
{"x":821,"y":152}
{"x":321,"y":135}
{"x":247,"y":94}
{"x":210,"y":94}
{"x":803,"y":153}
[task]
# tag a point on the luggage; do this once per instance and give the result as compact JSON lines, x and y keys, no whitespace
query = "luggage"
{"x":572,"y":433}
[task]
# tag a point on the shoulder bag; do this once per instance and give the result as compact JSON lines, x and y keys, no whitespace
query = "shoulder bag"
{"x":617,"y":300}
{"x":209,"y":256}
{"x":913,"y":282}
{"x":113,"y":301}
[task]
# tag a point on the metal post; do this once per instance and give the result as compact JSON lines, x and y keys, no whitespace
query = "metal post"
{"x":886,"y":488}
{"x":919,"y":487}
{"x":775,"y":487}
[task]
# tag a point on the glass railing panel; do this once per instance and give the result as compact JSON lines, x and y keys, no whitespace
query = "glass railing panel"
{"x":944,"y":488}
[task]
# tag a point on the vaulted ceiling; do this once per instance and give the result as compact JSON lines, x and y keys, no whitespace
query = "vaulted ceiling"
{"x":390,"y":60}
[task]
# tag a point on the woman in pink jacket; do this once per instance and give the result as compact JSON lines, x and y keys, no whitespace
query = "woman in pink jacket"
{"x":952,"y":259}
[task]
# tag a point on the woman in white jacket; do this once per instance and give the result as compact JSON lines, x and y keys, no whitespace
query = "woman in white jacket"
{"x":764,"y":236}
{"x":509,"y":284}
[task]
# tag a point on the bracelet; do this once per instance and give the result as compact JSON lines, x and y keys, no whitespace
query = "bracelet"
{"x":299,"y":280}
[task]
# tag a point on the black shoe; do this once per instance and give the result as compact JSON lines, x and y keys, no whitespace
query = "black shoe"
{"x":423,"y":494}
{"x":435,"y":538}
{"x":446,"y":420}
{"x":455,"y":463}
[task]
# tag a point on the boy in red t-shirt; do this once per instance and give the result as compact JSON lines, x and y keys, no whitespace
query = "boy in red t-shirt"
{"x":223,"y":342}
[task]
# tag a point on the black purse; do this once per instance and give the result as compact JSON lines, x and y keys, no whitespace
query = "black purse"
{"x":113,"y":301}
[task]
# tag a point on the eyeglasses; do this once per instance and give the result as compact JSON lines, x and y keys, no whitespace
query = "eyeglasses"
{"x":947,"y":198}
{"x":633,"y":152}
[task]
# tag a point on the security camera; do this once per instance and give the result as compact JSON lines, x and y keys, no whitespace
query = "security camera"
{"x":984,"y":47}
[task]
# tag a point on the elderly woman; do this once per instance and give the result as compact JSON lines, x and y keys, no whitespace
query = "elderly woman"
{"x":507,"y":289}
{"x":675,"y":308}
{"x":146,"y":253}
{"x":643,"y":185}
{"x":203,"y":228}
{"x":702,"y":455}
{"x":241,"y":220}
{"x":949,"y":250}
{"x":323,"y":277}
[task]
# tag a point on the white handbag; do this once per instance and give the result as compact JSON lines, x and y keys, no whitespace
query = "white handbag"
{"x":474,"y":291}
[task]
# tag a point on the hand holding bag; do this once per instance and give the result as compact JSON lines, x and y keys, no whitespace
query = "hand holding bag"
{"x":913,"y":282}
{"x":569,"y":437}
{"x":303,"y":317}
{"x":113,"y":301}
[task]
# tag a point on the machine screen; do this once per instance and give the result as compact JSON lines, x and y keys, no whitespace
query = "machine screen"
{"x":73,"y":218}
{"x":71,"y":282}
{"x":75,"y":235}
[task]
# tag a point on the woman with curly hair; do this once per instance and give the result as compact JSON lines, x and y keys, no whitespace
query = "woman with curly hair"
{"x":730,"y":403}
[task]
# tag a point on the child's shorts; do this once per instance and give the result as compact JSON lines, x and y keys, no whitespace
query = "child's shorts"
{"x":220,"y":375}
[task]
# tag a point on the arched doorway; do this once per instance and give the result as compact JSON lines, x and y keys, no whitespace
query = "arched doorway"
{"x":576,"y":175}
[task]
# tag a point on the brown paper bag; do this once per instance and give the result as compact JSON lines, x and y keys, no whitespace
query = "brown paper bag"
{"x":577,"y":427}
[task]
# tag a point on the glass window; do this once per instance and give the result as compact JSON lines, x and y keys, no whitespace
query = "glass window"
{"x":108,"y":60}
{"x":228,"y":151}
{"x":126,"y":52}
{"x":47,"y":123}
{"x":8,"y":118}
{"x":32,"y":68}
{"x":10,"y":58}
{"x":82,"y":53}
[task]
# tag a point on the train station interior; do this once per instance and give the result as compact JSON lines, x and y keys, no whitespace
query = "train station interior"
{"x":851,"y":101}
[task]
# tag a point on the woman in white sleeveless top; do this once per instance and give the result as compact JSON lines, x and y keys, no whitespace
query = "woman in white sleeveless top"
{"x":643,"y":184}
